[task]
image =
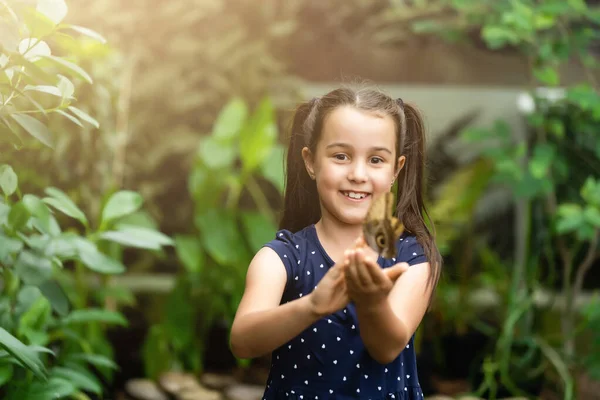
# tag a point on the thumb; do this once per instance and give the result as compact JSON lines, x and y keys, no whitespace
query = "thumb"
{"x":394,"y":272}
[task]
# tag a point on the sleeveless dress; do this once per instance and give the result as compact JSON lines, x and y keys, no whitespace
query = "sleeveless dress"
{"x":328,"y":361}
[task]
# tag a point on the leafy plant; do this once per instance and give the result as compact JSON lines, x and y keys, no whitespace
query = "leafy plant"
{"x":237,"y":169}
{"x":53,"y":332}
{"x":540,"y":170}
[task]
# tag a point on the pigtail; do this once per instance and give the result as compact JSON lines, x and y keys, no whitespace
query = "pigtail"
{"x":411,"y":205}
{"x":301,"y":205}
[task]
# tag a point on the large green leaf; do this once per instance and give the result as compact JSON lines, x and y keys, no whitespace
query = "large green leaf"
{"x":273,"y":167}
{"x":18,"y":216}
{"x":33,"y":269}
{"x":59,"y":200}
{"x":570,"y":218}
{"x":259,"y":229}
{"x":120,"y":204}
{"x":70,"y":67}
{"x":230,"y":120}
{"x":221,"y":237}
{"x":8,"y":180}
{"x":96,"y":360}
{"x":24,"y":354}
{"x":84,"y":116}
{"x":217,"y":154}
{"x":257,"y":137}
{"x":35,"y":128}
{"x":133,"y":236}
{"x":57,"y":297}
{"x":78,"y":379}
{"x":84,"y":31}
{"x":96,"y":260}
{"x":190,"y":253}
{"x":39,"y":210}
{"x":88,"y":315}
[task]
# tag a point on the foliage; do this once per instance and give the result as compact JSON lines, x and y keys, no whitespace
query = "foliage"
{"x":159,"y":98}
{"x":53,"y":331}
{"x":541,"y":171}
{"x":238,"y":167}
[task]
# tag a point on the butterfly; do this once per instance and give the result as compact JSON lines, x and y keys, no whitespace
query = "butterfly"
{"x":381,"y":229}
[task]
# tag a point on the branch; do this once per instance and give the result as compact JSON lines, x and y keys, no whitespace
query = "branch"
{"x":586,"y":264}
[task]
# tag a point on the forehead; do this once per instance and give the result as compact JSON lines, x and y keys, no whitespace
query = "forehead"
{"x":359,"y":128}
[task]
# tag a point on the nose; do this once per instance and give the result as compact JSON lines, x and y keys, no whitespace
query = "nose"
{"x":357,"y":172}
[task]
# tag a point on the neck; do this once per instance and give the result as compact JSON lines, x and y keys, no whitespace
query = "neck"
{"x":336,"y":236}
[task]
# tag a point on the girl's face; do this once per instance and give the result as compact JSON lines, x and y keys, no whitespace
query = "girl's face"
{"x":354,"y":161}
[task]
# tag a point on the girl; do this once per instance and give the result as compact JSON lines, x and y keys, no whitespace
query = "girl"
{"x":339,"y":319}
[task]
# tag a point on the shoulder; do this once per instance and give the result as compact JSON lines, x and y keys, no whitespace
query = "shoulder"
{"x":410,"y":250}
{"x":289,"y":246}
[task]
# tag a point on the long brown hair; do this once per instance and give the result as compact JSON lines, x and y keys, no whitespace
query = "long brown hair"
{"x":301,"y":199}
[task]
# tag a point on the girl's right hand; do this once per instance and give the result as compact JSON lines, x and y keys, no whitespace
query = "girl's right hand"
{"x":331,"y":293}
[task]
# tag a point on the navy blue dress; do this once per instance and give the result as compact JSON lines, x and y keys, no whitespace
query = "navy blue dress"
{"x":328,"y":360}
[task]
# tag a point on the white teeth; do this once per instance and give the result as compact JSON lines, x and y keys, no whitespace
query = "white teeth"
{"x":355,"y":195}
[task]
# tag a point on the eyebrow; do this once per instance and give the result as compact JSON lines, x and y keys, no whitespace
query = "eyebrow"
{"x":347,"y":146}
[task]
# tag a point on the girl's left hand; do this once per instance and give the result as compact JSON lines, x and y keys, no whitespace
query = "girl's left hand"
{"x":367,"y":283}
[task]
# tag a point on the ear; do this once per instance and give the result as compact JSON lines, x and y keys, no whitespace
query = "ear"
{"x":307,"y":156}
{"x":400,"y":165}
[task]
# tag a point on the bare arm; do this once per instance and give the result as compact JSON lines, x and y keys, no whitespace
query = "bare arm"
{"x":386,"y":327}
{"x":261,"y":325}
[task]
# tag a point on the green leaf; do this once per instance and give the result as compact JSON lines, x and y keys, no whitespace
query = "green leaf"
{"x":8,"y":180}
{"x":56,"y":296}
{"x":230,"y":120}
{"x":273,"y":169}
{"x":53,"y":90}
{"x":78,"y":379}
{"x":88,"y":315}
{"x":24,"y":354}
{"x":6,"y":373}
{"x":547,"y":75}
{"x":578,"y":5}
{"x":258,"y":137}
{"x":35,"y":128}
{"x":592,"y":216}
{"x":18,"y":216}
{"x":59,"y":200}
{"x":190,"y":253}
{"x":570,"y":218}
{"x":543,"y":156}
{"x":142,"y":238}
{"x":32,"y":269}
{"x":39,"y":210}
{"x":84,"y":116}
{"x":221,"y":237}
{"x":96,"y":360}
{"x":54,"y":388}
{"x":217,"y":154}
{"x":85,"y":31}
{"x":258,"y":228}
{"x":70,"y":117}
{"x":590,"y":191}
{"x":95,"y":260}
{"x":120,"y":204}
{"x":9,"y":246}
{"x":71,"y":67}
{"x":498,"y":36}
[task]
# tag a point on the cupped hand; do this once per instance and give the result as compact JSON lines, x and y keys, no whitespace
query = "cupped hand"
{"x":367,"y":283}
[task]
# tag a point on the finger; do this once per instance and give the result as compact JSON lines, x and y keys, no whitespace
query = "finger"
{"x":352,"y":279}
{"x":376,"y":274}
{"x":396,"y":271}
{"x":362,"y":268}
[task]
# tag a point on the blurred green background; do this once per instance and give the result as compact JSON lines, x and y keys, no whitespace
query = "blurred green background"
{"x":142,"y":148}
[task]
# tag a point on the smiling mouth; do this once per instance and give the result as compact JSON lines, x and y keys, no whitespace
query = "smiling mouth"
{"x":355,"y":195}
